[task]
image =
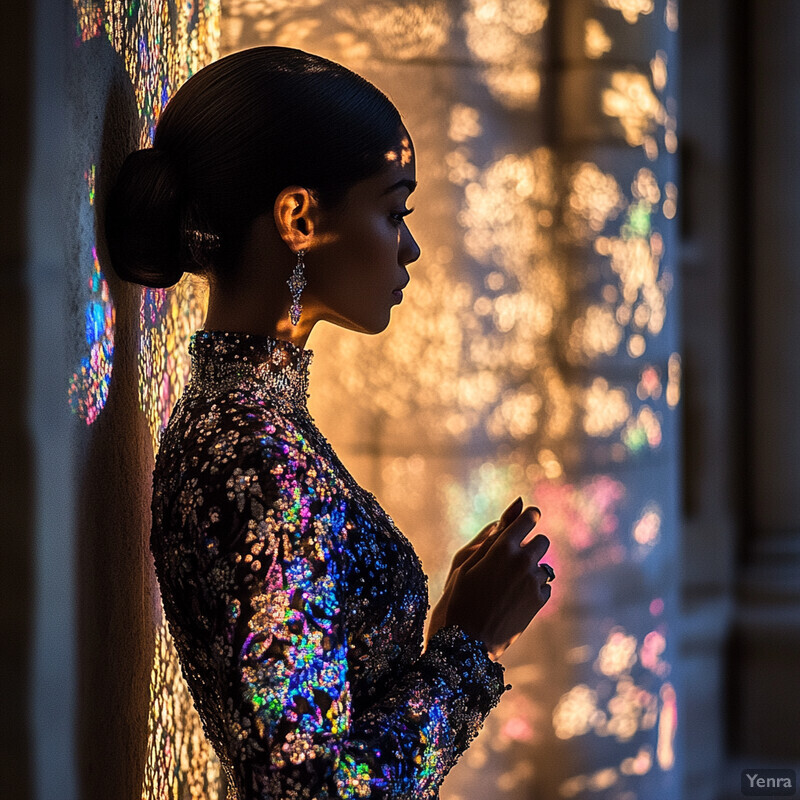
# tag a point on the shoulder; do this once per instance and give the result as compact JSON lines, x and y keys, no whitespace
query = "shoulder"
{"x":216,"y":432}
{"x":236,"y":444}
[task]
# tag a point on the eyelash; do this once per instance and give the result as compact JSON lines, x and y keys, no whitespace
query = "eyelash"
{"x":397,"y":216}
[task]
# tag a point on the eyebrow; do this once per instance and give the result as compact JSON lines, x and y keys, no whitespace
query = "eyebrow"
{"x":405,"y":183}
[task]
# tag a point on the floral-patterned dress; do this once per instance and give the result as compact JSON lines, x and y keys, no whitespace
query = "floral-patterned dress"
{"x":296,"y":605}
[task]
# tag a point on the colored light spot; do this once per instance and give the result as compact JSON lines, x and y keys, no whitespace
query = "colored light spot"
{"x":657,"y":607}
{"x":89,"y":386}
{"x":667,"y":726}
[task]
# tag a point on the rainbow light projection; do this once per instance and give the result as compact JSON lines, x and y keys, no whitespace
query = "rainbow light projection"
{"x":162,"y":43}
{"x":534,"y":352}
{"x":88,"y":388}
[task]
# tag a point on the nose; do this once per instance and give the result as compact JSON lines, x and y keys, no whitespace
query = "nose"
{"x":409,"y":249}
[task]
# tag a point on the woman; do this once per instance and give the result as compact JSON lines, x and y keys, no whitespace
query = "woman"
{"x":296,"y":605}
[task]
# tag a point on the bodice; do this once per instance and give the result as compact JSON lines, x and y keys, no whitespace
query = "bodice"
{"x":296,"y":604}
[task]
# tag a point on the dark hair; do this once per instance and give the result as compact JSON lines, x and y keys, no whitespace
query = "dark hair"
{"x":233,"y":136}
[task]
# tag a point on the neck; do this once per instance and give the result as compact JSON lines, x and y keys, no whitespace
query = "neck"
{"x":247,"y":315}
{"x":257,"y":298}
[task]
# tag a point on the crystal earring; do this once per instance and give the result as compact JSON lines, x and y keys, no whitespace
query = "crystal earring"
{"x":296,"y":284}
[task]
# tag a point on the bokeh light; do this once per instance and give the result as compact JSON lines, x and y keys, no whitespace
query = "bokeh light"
{"x":631,"y":9}
{"x":532,"y":355}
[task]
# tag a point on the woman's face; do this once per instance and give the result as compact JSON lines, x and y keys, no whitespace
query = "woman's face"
{"x":365,"y":245}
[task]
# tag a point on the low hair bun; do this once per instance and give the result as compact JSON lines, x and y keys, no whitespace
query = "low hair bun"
{"x":144,"y":220}
{"x":222,"y":152}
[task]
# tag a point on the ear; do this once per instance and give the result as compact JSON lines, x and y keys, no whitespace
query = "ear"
{"x":296,"y":213}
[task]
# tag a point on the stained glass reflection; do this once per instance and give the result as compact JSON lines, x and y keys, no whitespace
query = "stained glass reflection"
{"x":161,"y":43}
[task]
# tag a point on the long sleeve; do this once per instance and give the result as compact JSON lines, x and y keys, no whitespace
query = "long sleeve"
{"x":274,"y":532}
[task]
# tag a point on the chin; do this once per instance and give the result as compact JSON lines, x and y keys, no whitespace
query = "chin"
{"x":383,"y":324}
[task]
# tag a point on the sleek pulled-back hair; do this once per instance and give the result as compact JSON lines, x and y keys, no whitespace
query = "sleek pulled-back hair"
{"x":233,"y":136}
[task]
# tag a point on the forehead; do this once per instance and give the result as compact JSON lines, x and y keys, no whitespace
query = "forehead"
{"x":399,"y":162}
{"x":397,"y":176}
{"x":402,"y":154}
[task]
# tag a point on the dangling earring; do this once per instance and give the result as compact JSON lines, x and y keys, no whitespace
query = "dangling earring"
{"x":296,"y":284}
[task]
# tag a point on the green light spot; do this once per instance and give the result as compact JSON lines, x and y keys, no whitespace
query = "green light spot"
{"x":637,"y":224}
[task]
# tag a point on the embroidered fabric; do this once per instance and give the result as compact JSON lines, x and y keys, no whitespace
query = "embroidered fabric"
{"x":296,"y":605}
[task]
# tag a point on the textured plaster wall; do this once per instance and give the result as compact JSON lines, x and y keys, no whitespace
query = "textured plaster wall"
{"x":92,"y":610}
{"x":95,"y":592}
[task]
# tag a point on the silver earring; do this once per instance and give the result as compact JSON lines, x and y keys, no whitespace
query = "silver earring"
{"x":296,"y":284}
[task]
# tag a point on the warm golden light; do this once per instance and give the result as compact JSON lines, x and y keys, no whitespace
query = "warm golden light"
{"x":499,"y":36}
{"x":670,"y":206}
{"x":597,"y":333}
{"x":464,"y":123}
{"x":179,"y":761}
{"x":658,"y":68}
{"x":606,"y":409}
{"x":596,"y":42}
{"x":671,"y":15}
{"x":632,"y":101}
{"x":674,"y":380}
{"x":402,"y":155}
{"x":631,"y":9}
{"x":667,"y":726}
{"x":632,"y":709}
{"x":640,"y":764}
{"x":617,"y":655}
{"x":538,"y":270}
{"x":403,"y":30}
{"x":594,"y":199}
{"x":647,"y":528}
{"x":575,"y":711}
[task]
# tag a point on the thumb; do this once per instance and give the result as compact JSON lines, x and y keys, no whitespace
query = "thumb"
{"x":468,"y":549}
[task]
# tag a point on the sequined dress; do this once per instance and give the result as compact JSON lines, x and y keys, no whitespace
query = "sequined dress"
{"x":296,"y":605}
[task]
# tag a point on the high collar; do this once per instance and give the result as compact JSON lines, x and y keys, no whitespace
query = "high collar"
{"x":226,"y":360}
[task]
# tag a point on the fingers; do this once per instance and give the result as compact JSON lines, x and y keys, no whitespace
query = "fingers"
{"x":506,"y":518}
{"x":476,"y":549}
{"x":537,"y":547}
{"x":469,"y":549}
{"x":539,"y":586}
{"x":511,"y":513}
{"x":484,"y":532}
{"x":516,"y":532}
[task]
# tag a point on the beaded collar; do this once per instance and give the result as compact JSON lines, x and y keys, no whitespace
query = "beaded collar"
{"x":226,"y":360}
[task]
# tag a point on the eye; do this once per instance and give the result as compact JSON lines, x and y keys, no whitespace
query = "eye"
{"x":397,"y":216}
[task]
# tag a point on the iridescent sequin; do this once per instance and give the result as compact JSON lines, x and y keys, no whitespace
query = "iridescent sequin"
{"x":296,"y":605}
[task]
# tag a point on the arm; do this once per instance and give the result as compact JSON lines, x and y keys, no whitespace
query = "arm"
{"x":289,"y":703}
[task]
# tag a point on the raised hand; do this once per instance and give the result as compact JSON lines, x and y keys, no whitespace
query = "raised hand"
{"x":495,"y":585}
{"x":466,"y":556}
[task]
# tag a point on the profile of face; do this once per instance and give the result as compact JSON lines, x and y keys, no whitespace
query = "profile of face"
{"x":356,"y":259}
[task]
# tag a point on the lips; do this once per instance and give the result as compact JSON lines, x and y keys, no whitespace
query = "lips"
{"x":398,"y":292}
